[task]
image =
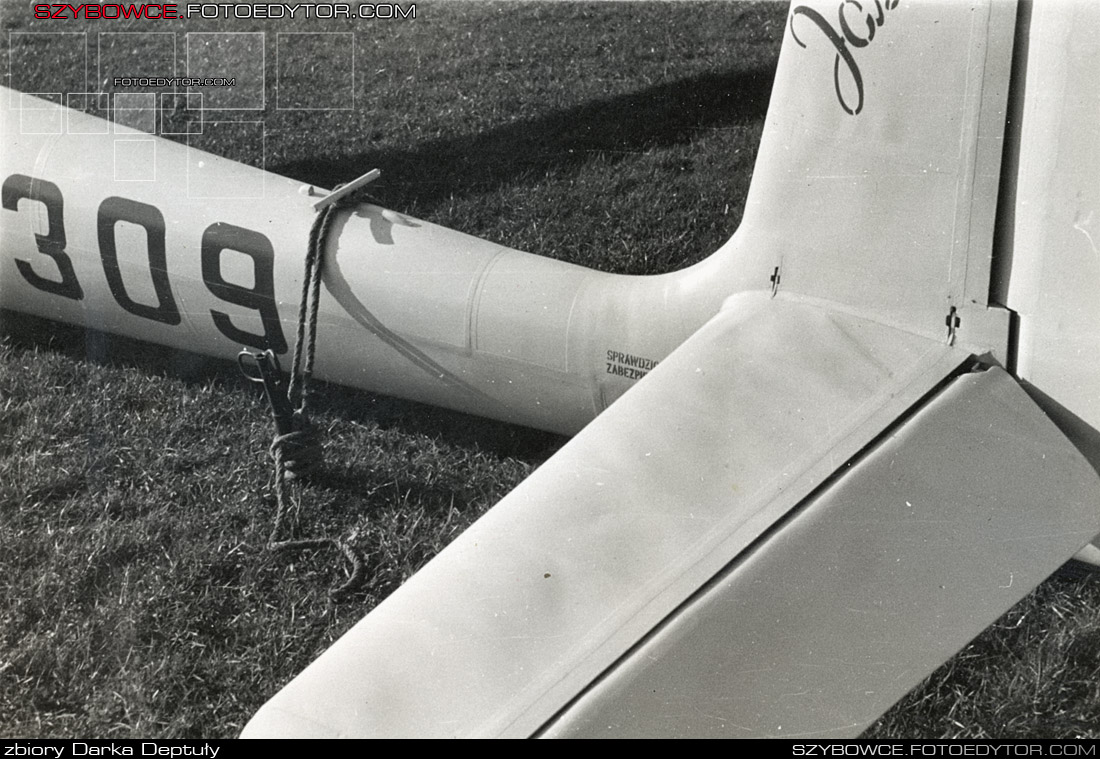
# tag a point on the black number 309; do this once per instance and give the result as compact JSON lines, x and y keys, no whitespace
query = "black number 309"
{"x":215,"y":239}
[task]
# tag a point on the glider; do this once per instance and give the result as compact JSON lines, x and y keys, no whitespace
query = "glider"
{"x":806,"y":470}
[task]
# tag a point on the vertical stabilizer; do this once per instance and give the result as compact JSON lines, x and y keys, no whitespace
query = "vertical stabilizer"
{"x":876,"y":180}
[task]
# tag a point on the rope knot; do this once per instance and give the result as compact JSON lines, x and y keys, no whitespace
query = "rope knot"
{"x":299,"y":450}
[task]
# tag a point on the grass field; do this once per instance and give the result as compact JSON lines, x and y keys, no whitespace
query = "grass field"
{"x":135,"y":489}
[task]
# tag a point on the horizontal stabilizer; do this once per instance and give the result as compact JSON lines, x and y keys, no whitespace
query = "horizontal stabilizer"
{"x":874,"y":583}
{"x":669,"y":491}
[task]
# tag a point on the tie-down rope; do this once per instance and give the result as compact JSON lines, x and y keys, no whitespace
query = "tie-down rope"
{"x":296,"y":447}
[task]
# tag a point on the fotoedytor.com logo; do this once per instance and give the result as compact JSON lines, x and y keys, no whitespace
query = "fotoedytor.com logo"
{"x":173,"y":81}
{"x":224,"y":10}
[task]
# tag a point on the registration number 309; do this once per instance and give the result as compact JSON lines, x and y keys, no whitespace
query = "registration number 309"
{"x":59,"y":278}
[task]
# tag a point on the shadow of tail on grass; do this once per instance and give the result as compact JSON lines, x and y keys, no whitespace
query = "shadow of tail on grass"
{"x":661,"y":116}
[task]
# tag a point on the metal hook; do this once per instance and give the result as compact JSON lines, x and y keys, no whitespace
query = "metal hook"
{"x":270,"y":375}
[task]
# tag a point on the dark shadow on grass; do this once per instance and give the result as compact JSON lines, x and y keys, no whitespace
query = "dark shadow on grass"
{"x":25,"y":332}
{"x":661,"y":116}
{"x":388,"y":412}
